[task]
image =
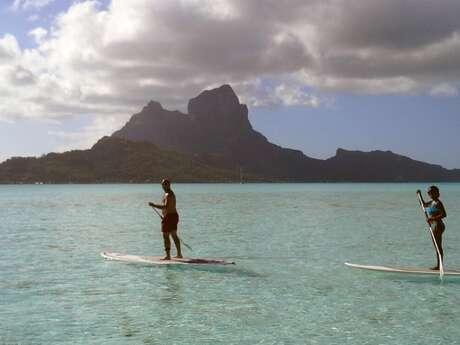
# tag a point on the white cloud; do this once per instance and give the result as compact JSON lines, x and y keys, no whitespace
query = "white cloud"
{"x":30,"y":4}
{"x":444,"y":90}
{"x":295,"y":96}
{"x":38,"y":34}
{"x":86,"y":137}
{"x":9,"y":48}
{"x":284,"y":94}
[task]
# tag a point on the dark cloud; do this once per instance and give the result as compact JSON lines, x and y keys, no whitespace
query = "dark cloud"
{"x":391,"y":24}
{"x":119,"y":58}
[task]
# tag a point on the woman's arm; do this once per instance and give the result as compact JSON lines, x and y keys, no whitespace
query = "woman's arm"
{"x":442,"y":211}
{"x":425,"y":204}
{"x":440,"y":214}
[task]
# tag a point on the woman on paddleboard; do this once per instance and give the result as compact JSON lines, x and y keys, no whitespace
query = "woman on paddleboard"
{"x":435,"y":213}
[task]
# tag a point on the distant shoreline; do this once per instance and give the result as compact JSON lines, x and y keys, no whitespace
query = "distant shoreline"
{"x":222,"y":182}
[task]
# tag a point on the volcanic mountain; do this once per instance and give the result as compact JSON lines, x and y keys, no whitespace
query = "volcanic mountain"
{"x":214,"y":141}
{"x":217,"y":129}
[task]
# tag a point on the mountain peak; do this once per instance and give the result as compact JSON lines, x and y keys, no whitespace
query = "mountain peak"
{"x":153,"y":106}
{"x":216,"y":121}
{"x":221,"y":100}
{"x":344,"y":153}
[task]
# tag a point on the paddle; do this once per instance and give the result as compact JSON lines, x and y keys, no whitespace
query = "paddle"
{"x":441,"y":266}
{"x":182,"y":241}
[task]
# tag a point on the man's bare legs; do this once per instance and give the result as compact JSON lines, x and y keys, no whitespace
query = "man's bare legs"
{"x":177,"y":244}
{"x":167,"y":242}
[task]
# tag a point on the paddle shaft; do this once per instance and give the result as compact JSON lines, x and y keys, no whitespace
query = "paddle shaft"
{"x":159,"y":215}
{"x":441,"y":266}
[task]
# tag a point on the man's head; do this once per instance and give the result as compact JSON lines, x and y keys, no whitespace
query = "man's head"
{"x":166,"y":184}
{"x":433,"y":192}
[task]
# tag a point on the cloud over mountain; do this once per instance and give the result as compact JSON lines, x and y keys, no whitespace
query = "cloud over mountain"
{"x":107,"y":61}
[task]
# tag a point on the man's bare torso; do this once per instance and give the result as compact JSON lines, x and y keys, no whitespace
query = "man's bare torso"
{"x":169,"y":199}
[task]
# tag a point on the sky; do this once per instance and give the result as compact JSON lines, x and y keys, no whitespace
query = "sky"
{"x":316,"y":74}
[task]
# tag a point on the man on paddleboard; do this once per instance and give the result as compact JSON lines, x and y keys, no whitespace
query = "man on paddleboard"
{"x":435,"y":213}
{"x":169,"y":220}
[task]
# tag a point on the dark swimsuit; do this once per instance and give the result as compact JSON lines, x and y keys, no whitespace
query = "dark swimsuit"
{"x":169,"y":222}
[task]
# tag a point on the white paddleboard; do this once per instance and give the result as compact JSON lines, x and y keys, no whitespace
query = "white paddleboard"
{"x":407,"y":270}
{"x":156,"y":260}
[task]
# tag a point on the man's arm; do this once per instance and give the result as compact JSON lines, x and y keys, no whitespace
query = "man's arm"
{"x":159,"y":206}
{"x":156,"y":205}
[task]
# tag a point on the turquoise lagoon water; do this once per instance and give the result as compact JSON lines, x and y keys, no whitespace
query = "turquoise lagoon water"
{"x":289,"y":285}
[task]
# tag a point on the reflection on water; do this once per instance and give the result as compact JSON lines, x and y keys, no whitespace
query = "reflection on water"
{"x":170,"y":292}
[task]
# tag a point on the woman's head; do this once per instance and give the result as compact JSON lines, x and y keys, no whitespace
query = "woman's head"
{"x":433,"y":192}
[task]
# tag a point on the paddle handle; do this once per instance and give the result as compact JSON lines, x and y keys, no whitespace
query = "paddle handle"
{"x":441,"y":265}
{"x":422,"y":205}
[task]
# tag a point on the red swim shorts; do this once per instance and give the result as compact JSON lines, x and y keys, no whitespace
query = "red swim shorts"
{"x":169,"y":222}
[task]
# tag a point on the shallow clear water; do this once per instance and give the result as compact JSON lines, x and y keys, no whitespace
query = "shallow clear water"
{"x":289,"y":285}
